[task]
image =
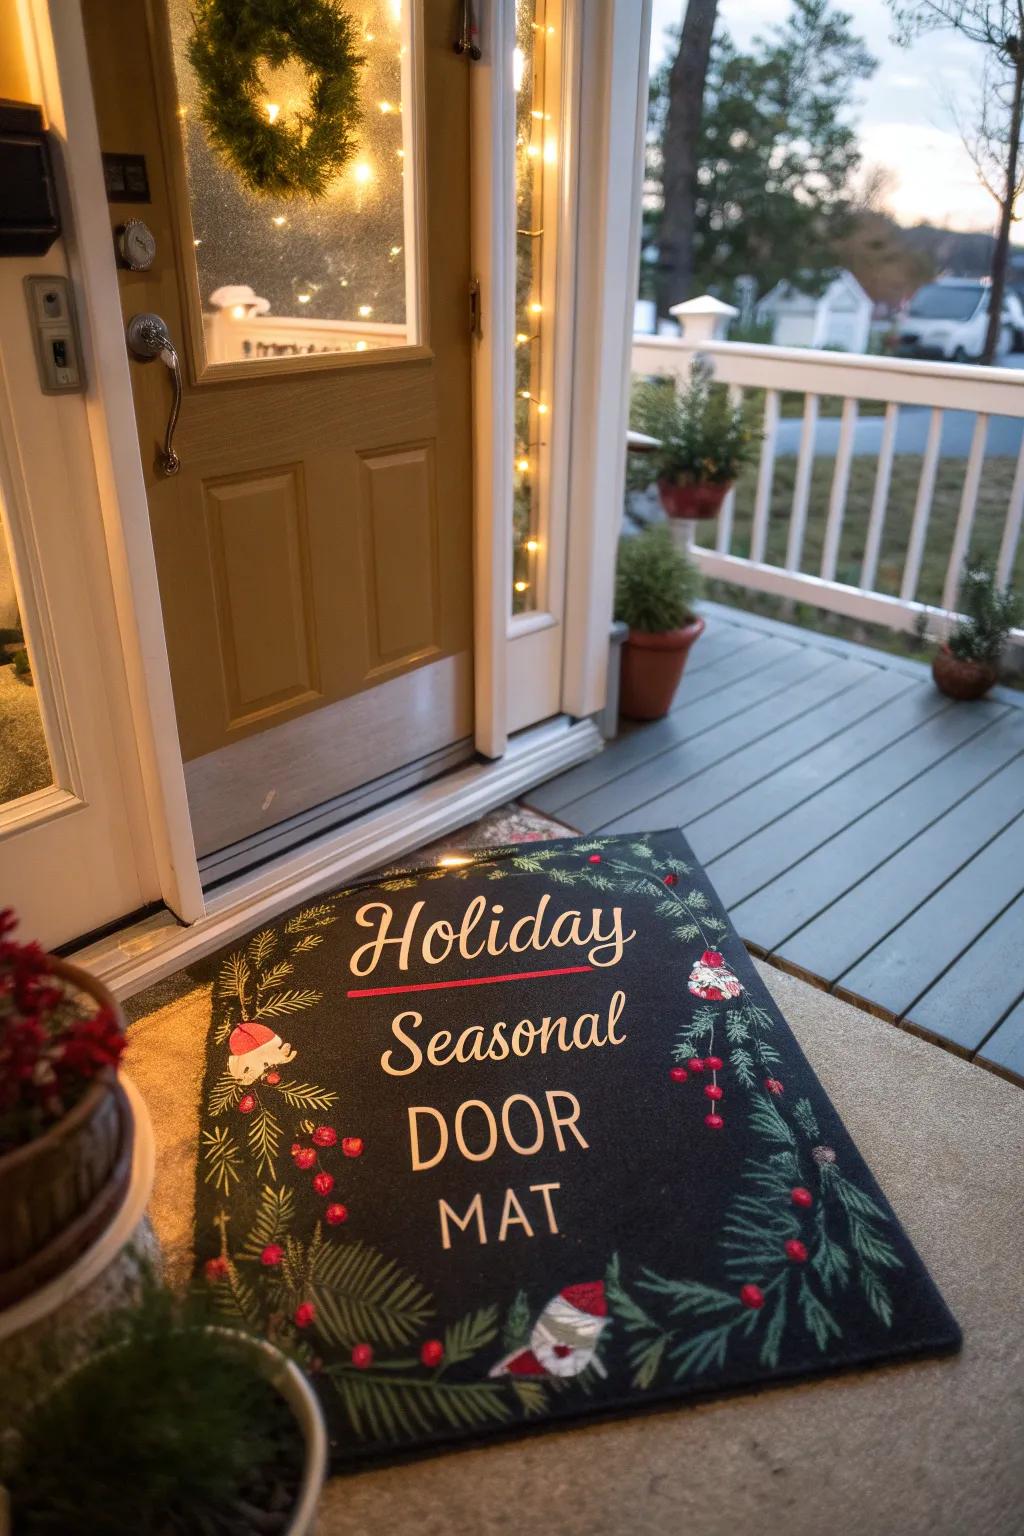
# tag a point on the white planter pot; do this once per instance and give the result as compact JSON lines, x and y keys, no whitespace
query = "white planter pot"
{"x":303,"y":1401}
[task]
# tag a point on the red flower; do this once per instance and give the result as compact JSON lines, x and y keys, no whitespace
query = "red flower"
{"x":773,"y":1085}
{"x":304,"y":1157}
{"x":352,"y":1146}
{"x":336,"y":1214}
{"x":323,"y":1183}
{"x":325,"y":1136}
{"x":272,"y":1255}
{"x":304,"y":1314}
{"x":796,"y":1250}
{"x":273,"y":1078}
{"x":752,"y":1296}
{"x":215,"y":1269}
{"x":678,"y":1074}
{"x":247,"y":1103}
{"x":432,"y":1353}
{"x":362,"y":1356}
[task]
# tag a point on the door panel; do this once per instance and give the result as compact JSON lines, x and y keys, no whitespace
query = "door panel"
{"x":316,"y":542}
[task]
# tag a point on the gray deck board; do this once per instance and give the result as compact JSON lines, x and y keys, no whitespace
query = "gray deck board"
{"x":859,"y":827}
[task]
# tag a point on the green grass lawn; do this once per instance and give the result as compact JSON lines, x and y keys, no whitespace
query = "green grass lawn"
{"x":993,"y":498}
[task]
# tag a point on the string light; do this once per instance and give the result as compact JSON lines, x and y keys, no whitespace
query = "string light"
{"x":365,"y":311}
{"x":239,"y":311}
{"x":385,"y":107}
{"x":522,"y":586}
{"x":521,"y":337}
{"x":273,"y":111}
{"x":362,"y":171}
{"x":361,"y":346}
{"x":304,"y":298}
{"x":278,"y":219}
{"x":532,"y":545}
{"x":518,"y":68}
{"x":522,"y":465}
{"x":536,"y":309}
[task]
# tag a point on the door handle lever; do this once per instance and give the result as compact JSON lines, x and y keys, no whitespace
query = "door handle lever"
{"x":149,"y":338}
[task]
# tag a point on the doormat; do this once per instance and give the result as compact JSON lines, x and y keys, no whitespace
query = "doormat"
{"x":525,"y":1138}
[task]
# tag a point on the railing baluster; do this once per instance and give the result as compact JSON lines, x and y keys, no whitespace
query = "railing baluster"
{"x":728,"y":512}
{"x":922,"y":508}
{"x":802,"y":485}
{"x":1011,"y":528}
{"x":965,"y":517}
{"x":880,"y":498}
{"x":840,"y":487}
{"x":765,"y":475}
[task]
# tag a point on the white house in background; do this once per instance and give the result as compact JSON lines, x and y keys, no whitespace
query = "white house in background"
{"x":839,"y":317}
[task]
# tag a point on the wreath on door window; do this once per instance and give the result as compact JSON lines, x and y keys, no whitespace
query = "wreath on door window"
{"x":231,"y":40}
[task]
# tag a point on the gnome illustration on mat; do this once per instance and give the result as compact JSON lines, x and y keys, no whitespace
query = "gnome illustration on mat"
{"x":565,"y":1336}
{"x":712,"y":979}
{"x":254,"y":1048}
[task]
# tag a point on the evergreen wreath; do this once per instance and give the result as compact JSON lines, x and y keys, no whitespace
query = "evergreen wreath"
{"x":230,"y":40}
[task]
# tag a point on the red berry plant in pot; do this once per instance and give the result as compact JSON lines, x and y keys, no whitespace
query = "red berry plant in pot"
{"x":703,"y":439}
{"x":65,"y":1124}
{"x":655,"y":586}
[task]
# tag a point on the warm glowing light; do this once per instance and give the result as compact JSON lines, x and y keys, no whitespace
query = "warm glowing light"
{"x":304,"y":298}
{"x":524,"y":394}
{"x":197,"y":242}
{"x":400,"y":153}
{"x":533,"y":545}
{"x":273,"y":111}
{"x":278,"y":219}
{"x":369,"y":36}
{"x":533,"y":151}
{"x":385,"y":107}
{"x":365,"y":311}
{"x":453,"y":860}
{"x":550,"y":152}
{"x":361,"y":346}
{"x":536,"y":309}
{"x":363,"y":172}
{"x":542,"y":410}
{"x":183,"y":113}
{"x":396,"y":10}
{"x":518,"y":68}
{"x":239,"y":311}
{"x":522,"y":586}
{"x":396,"y":250}
{"x":522,"y":465}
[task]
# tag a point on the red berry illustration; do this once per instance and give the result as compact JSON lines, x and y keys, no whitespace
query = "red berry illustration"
{"x":296,"y":1147}
{"x":362,"y":1356}
{"x":352,"y":1146}
{"x":336,"y":1214}
{"x":712,"y":1091}
{"x":432,"y":1352}
{"x":671,"y":879}
{"x":801,"y":1196}
{"x":752,"y":1296}
{"x":272,"y":1255}
{"x":323,"y":1183}
{"x":695,"y":1064}
{"x":247,"y":1103}
{"x":678,"y":1074}
{"x":796,"y":1250}
{"x":273,"y":1078}
{"x":304,"y":1314}
{"x":595,"y":858}
{"x":325,"y":1136}
{"x":215,"y":1269}
{"x":713,"y":1063}
{"x":773,"y":1085}
{"x":714,"y":1121}
{"x":304,"y":1157}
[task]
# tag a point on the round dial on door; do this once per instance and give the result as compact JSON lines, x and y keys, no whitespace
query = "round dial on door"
{"x":136,"y":245}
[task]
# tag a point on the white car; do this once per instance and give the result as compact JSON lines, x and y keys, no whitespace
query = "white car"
{"x":949,"y":319}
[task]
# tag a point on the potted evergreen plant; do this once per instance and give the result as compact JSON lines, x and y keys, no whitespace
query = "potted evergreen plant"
{"x":171,"y":1427}
{"x":66,"y":1128}
{"x":655,"y":587}
{"x":967,"y":665}
{"x":704,"y":440}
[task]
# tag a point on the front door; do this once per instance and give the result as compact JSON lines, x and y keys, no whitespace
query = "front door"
{"x":314,"y":546}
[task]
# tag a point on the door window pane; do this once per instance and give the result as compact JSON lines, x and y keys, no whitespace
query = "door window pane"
{"x":536,"y":82}
{"x":24,"y":761}
{"x":291,"y":277}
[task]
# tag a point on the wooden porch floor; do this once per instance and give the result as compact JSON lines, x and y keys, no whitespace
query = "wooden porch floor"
{"x":863,"y":831}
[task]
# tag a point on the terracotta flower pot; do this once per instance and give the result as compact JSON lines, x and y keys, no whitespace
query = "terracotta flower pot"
{"x":693,"y":501}
{"x":58,"y":1192}
{"x":651,"y":668}
{"x":962,"y":679}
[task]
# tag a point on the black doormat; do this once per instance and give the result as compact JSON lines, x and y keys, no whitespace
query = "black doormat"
{"x":526,"y":1138}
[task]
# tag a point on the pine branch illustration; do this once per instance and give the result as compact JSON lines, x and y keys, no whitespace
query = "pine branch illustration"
{"x":382,"y":1407}
{"x":264,"y":1133}
{"x":222,"y":1157}
{"x":469,"y":1335}
{"x":687,"y":1296}
{"x":306,"y":943}
{"x":261,"y":946}
{"x":363,"y":1296}
{"x":275,"y":1211}
{"x":818,"y":1320}
{"x":223,"y":1029}
{"x":766,"y":1120}
{"x":319,"y":915}
{"x":291,"y":1001}
{"x":645,"y":1356}
{"x":306,"y":1095}
{"x":530,"y":1395}
{"x":805,"y":1118}
{"x":233,"y":978}
{"x":237,"y":1301}
{"x":224,"y":1094}
{"x":274,"y":976}
{"x":516,"y":1330}
{"x":742,"y":1064}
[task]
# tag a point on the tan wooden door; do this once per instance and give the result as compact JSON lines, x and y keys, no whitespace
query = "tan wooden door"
{"x":314,"y":549}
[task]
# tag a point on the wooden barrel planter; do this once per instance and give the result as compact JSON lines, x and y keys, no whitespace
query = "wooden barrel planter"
{"x":59,"y":1191}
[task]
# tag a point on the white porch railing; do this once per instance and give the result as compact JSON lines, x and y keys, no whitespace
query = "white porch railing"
{"x":896,"y":382}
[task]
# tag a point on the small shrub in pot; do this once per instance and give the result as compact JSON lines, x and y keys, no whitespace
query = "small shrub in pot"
{"x":655,"y":588}
{"x":967,"y":665}
{"x":704,"y":440}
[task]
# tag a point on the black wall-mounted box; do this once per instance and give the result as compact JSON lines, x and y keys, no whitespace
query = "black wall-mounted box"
{"x":29,"y":215}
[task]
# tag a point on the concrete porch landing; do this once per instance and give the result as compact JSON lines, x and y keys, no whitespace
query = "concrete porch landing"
{"x":863,"y":831}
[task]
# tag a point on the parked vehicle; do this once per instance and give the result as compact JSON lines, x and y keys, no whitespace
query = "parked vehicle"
{"x":949,"y":319}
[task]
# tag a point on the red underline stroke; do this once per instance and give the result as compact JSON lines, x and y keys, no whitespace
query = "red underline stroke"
{"x":470,"y":981}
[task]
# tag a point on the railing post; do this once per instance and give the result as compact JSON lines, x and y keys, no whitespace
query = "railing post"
{"x":704,"y":319}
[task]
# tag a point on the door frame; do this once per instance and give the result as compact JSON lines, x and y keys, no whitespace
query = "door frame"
{"x":612,"y":91}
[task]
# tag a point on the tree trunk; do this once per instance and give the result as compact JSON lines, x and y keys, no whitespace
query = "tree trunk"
{"x":1001,"y":253}
{"x":679,"y":154}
